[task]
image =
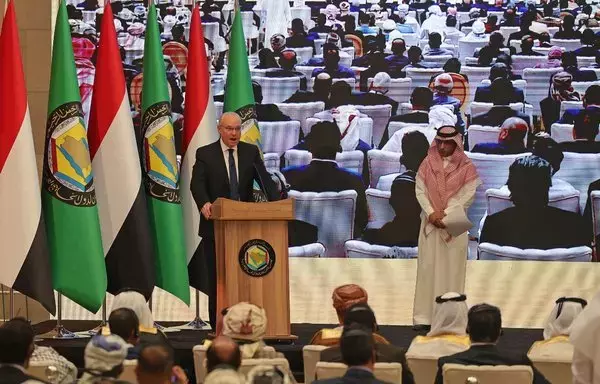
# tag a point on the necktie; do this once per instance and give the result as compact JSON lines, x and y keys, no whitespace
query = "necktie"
{"x":233,"y":178}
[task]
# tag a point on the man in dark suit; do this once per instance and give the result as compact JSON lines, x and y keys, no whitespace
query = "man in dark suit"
{"x":323,"y":173}
{"x":16,"y":347}
{"x":287,"y":62}
{"x":320,"y":92}
{"x":585,"y":131}
{"x":591,"y":105}
{"x":377,"y":94}
{"x":499,"y":74}
{"x":532,"y":223}
{"x":510,"y":140}
{"x":421,"y":100}
{"x":266,"y":112}
{"x":358,"y":353}
{"x":484,"y":328}
{"x":569,"y":63}
{"x":362,"y":316}
{"x":226,"y":168}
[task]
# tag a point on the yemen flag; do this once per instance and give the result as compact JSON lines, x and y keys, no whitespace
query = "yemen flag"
{"x":160,"y":167}
{"x":68,"y":194}
{"x":239,"y":97}
{"x":126,"y":238}
{"x":199,"y":129}
{"x":25,"y":259}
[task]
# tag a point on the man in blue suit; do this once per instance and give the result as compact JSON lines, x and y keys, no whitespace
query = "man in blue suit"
{"x":499,"y":75}
{"x":591,"y":105}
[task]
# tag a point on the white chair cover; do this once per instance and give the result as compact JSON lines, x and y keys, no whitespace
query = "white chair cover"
{"x":311,"y":355}
{"x":437,"y":60}
{"x":276,"y":90}
{"x":350,"y":160}
{"x":579,"y":170}
{"x":467,"y":48}
{"x":301,"y":111}
{"x":561,"y":195}
{"x":488,"y":251}
{"x":482,"y":134}
{"x":218,"y":109}
{"x":562,"y":132}
{"x":272,"y":161}
{"x":582,"y":86}
{"x":538,"y":83}
{"x":475,"y":75}
{"x":365,"y":125}
{"x":382,"y":163}
{"x":308,"y":250}
{"x":381,"y":115}
{"x":420,"y":77}
{"x":385,"y":182}
{"x":380,"y":210}
{"x":564,"y":105}
{"x":356,"y":249}
{"x":303,"y":54}
{"x":279,"y":136}
{"x":498,"y":374}
{"x":567,"y":44}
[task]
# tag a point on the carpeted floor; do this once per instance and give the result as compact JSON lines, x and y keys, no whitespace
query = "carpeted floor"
{"x":514,"y":339}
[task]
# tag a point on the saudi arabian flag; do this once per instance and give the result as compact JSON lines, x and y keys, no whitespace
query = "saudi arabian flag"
{"x":159,"y":163}
{"x":239,"y":97}
{"x":68,"y":195}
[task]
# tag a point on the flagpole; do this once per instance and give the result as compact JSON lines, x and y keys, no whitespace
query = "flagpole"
{"x":61,"y":331}
{"x":11,"y":301}
{"x":197,"y":324}
{"x":3,"y":303}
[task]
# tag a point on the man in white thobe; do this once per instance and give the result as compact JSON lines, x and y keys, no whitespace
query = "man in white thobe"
{"x":585,"y":337}
{"x":447,"y":180}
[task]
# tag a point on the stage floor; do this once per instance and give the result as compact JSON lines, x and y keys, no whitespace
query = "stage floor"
{"x":513,"y":339}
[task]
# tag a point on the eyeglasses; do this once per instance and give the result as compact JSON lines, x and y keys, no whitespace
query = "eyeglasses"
{"x":231,"y":129}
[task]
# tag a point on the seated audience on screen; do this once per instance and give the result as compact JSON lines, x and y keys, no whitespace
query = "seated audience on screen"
{"x":343,"y":297}
{"x":567,"y":29}
{"x":331,"y":60}
{"x":403,"y":230}
{"x":590,"y":44}
{"x":448,"y":334}
{"x":511,"y":139}
{"x":266,"y":112}
{"x":104,"y":357}
{"x":556,"y":345}
{"x":421,"y":100}
{"x":415,"y":58}
{"x":527,"y":47}
{"x":532,"y":223}
{"x":324,"y":175}
{"x":320,"y":27}
{"x":484,"y":327}
{"x":585,"y":131}
{"x":266,"y":59}
{"x":156,"y":365}
{"x":298,"y":37}
{"x":504,"y":88}
{"x":591,"y":106}
{"x":561,"y":89}
{"x":585,"y":338}
{"x":434,"y":46}
{"x":361,"y":316}
{"x":287,"y":62}
{"x":320,"y":92}
{"x":379,"y":87}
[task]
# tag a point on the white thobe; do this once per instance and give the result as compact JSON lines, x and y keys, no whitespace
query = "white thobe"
{"x":441,"y":265}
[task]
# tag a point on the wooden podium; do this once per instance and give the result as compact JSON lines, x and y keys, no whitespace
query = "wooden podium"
{"x":251,"y":246}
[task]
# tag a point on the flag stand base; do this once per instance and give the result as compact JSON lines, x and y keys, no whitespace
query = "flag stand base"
{"x":197,"y":324}
{"x":98,"y":329}
{"x":59,"y":331}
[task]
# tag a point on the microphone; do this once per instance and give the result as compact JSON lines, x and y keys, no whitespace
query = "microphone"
{"x":260,"y":181}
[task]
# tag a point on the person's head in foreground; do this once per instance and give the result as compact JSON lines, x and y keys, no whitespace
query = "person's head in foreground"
{"x":443,"y":84}
{"x":156,"y":365}
{"x":447,"y":140}
{"x":230,"y":129}
{"x":484,"y":324}
{"x":449,"y":315}
{"x":357,"y":347}
{"x":513,"y":132}
{"x":529,"y":180}
{"x":104,"y":356}
{"x":124,"y":323}
{"x":136,"y":302}
{"x":414,"y":150}
{"x":16,"y":342}
{"x":453,"y":65}
{"x":421,"y":99}
{"x":267,"y":374}
{"x":363,"y":315}
{"x":322,"y":85}
{"x":247,"y":324}
{"x":345,"y":296}
{"x":592,"y":96}
{"x":586,"y":126}
{"x":223,"y":353}
{"x":560,"y":321}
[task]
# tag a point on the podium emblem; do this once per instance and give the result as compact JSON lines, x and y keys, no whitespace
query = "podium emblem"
{"x":257,"y":258}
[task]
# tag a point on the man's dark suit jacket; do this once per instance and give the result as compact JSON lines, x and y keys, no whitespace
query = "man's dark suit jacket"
{"x":417,"y":117}
{"x":353,"y":376}
{"x":385,"y":353}
{"x":269,"y":112}
{"x":371,"y":98}
{"x":544,"y":228}
{"x":580,"y":146}
{"x":210,"y":180}
{"x":285,"y":73}
{"x":326,"y":176}
{"x":13,"y":375}
{"x":483,"y":94}
{"x":304,"y":97}
{"x":487,"y":355}
{"x":571,"y":114}
{"x":498,"y":149}
{"x":497,"y":115}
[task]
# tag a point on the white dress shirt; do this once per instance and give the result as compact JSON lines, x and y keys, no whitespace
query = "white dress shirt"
{"x":225,"y":150}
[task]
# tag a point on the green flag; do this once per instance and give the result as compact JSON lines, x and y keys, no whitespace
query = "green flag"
{"x":160,"y":169}
{"x":68,"y":196}
{"x":239,"y":97}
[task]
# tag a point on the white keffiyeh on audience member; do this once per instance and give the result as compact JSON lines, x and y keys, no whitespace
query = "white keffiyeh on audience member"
{"x":134,"y":39}
{"x":279,"y":17}
{"x":585,"y":337}
{"x":435,"y":22}
{"x":563,"y":315}
{"x":346,"y":118}
{"x":168,"y":23}
{"x":449,"y":315}
{"x":440,"y":116}
{"x":137,"y":303}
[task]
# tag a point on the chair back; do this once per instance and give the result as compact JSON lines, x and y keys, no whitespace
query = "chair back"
{"x":562,"y":196}
{"x":332,"y":213}
{"x":178,"y":54}
{"x":46,"y":371}
{"x":199,"y":354}
{"x":488,"y":374}
{"x":279,"y":136}
{"x":561,"y":132}
{"x":519,"y":63}
{"x":387,"y":372}
{"x":582,"y":86}
{"x":482,"y":134}
{"x":580,"y":170}
{"x":380,"y":210}
{"x":357,"y":249}
{"x":350,"y":51}
{"x":311,"y":355}
{"x":365,"y":126}
{"x":395,"y":126}
{"x":467,"y":48}
{"x":218,"y":109}
{"x":439,"y":60}
{"x":585,"y":61}
{"x":250,"y":30}
{"x":307,"y":71}
{"x":308,"y":250}
{"x":564,"y":105}
{"x":260,"y":72}
{"x":301,"y":13}
{"x":319,"y":46}
{"x":380,"y":114}
{"x":507,"y":31}
{"x":567,"y":44}
{"x":272,"y":161}
{"x":382,"y":163}
{"x":555,"y":371}
{"x":211,"y":30}
{"x":538,"y":83}
{"x":475,"y":75}
{"x":478,"y":107}
{"x":420,"y":76}
{"x":423,"y":370}
{"x":400,"y":89}
{"x":303,"y":54}
{"x":248,"y":364}
{"x":301,"y":111}
{"x":385,"y":182}
{"x":595,"y":200}
{"x":277,"y":89}
{"x":493,"y":172}
{"x":489,"y":251}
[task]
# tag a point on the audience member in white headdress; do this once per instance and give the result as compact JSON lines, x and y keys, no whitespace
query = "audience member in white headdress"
{"x":477,"y":33}
{"x":137,"y":303}
{"x":585,"y":337}
{"x":558,"y":327}
{"x":448,"y":329}
{"x":435,"y":22}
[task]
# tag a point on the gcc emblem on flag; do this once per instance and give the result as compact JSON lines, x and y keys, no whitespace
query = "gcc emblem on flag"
{"x":69,"y":169}
{"x":257,"y":258}
{"x":160,"y":159}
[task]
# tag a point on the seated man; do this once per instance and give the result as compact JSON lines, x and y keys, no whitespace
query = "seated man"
{"x":323,"y":173}
{"x":358,"y":353}
{"x":277,"y":44}
{"x":124,"y":323}
{"x":590,"y":46}
{"x":448,"y":334}
{"x":397,"y":60}
{"x":343,"y":297}
{"x":527,"y":47}
{"x":558,"y":327}
{"x":585,"y":131}
{"x":137,"y":302}
{"x":443,"y":85}
{"x":377,"y":64}
{"x":266,"y":112}
{"x":505,"y":89}
{"x":378,"y":88}
{"x":421,"y":100}
{"x":591,"y":105}
{"x":104,"y":357}
{"x":298,"y":37}
{"x":361,"y":316}
{"x":501,"y":109}
{"x":223,"y":353}
{"x":532,"y":223}
{"x":340,"y":95}
{"x":484,"y":327}
{"x":510,"y":140}
{"x":415,"y":58}
{"x":320,"y":26}
{"x":403,"y":230}
{"x":287,"y":62}
{"x":569,"y":63}
{"x":16,"y":347}
{"x":434,"y":46}
{"x":321,"y":89}
{"x":331,"y":60}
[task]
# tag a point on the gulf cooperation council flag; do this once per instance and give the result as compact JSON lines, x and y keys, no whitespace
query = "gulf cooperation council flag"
{"x":68,"y":194}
